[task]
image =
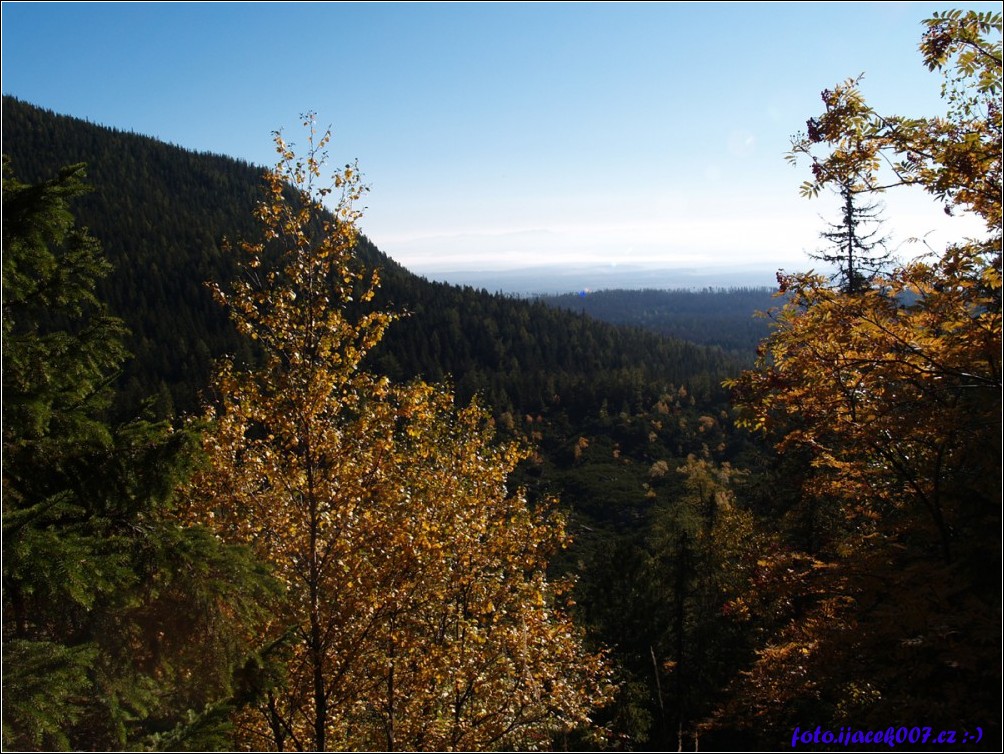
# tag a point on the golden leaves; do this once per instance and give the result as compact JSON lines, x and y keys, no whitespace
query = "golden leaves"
{"x":889,"y":402}
{"x":416,"y":579}
{"x":955,"y":157}
{"x":888,"y":392}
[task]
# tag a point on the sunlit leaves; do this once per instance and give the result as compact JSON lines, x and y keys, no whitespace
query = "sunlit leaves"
{"x":955,"y":157}
{"x":874,"y":384}
{"x":417,"y":604}
{"x":891,"y":396}
{"x":878,"y":389}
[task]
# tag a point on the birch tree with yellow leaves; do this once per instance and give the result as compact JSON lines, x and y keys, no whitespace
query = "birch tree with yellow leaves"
{"x":418,"y":612}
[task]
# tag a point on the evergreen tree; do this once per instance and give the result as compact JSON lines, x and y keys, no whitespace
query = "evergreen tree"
{"x":112,"y":625}
{"x":703,"y":547}
{"x":858,"y":253}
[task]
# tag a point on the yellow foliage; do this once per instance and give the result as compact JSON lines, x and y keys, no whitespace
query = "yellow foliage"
{"x":419,"y":612}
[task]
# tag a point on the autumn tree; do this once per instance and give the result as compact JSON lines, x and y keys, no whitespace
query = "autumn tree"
{"x":418,"y":613}
{"x":893,"y":395}
{"x":928,"y":346}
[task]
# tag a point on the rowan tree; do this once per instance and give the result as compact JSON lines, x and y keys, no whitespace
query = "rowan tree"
{"x":885,"y":387}
{"x":893,"y":394}
{"x":956,"y":157}
{"x":418,"y":610}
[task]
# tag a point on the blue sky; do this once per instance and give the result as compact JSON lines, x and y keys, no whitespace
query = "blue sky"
{"x":499,"y":136}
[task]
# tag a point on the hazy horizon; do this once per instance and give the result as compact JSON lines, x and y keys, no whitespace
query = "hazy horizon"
{"x":571,"y":278}
{"x":585,"y":136}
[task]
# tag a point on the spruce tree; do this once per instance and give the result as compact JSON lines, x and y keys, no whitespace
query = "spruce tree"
{"x":856,"y":248}
{"x":112,"y":611}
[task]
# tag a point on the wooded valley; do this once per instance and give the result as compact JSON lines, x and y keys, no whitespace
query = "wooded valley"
{"x":265,"y":489}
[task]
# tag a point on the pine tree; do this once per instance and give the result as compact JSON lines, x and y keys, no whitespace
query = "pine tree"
{"x":703,"y":548}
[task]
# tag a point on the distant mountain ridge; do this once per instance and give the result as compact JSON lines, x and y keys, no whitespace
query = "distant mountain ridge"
{"x":723,"y":317}
{"x":556,"y":280}
{"x":161,"y":213}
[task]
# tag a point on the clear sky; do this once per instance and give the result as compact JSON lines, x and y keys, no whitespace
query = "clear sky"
{"x":499,"y":136}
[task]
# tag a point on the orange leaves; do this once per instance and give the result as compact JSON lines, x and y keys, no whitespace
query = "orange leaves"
{"x":888,"y":401}
{"x":875,"y":383}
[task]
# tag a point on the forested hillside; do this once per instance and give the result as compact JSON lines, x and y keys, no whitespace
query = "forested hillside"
{"x":722,"y":317}
{"x":600,"y":404}
{"x":265,"y":489}
{"x":162,"y":212}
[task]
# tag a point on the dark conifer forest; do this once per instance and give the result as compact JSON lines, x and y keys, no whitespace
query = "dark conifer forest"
{"x":266,"y":489}
{"x":733,"y":319}
{"x":162,"y":214}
